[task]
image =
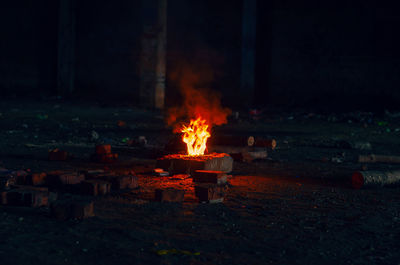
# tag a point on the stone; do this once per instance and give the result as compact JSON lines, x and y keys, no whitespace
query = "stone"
{"x":169,"y":195}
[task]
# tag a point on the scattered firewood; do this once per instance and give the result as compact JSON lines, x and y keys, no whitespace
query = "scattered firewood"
{"x":169,"y":195}
{"x":374,"y":178}
{"x":209,"y":176}
{"x":210,"y":193}
{"x":378,"y":159}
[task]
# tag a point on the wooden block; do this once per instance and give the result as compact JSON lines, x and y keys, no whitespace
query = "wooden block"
{"x":105,"y":158}
{"x":35,"y":198}
{"x":183,"y":164}
{"x":3,"y":197}
{"x":209,"y":176}
{"x":58,"y":155}
{"x":120,"y":182}
{"x":89,"y":187}
{"x":25,"y":197}
{"x":169,"y":195}
{"x":95,"y":187}
{"x":269,"y":143}
{"x":82,"y":209}
{"x":61,"y":210}
{"x":72,"y":209}
{"x":36,"y":179}
{"x":7,"y":181}
{"x":71,"y":178}
{"x":125,"y":182}
{"x":210,"y":193}
{"x":103,"y":149}
{"x":59,"y":178}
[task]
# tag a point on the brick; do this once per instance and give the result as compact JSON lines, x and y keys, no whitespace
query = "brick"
{"x":209,"y":176}
{"x":183,"y":164}
{"x":95,"y":187}
{"x":72,"y":209}
{"x":58,"y":155}
{"x":103,"y":149}
{"x":210,"y":193}
{"x":169,"y":195}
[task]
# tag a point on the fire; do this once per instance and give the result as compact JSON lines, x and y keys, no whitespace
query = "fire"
{"x":195,"y":136}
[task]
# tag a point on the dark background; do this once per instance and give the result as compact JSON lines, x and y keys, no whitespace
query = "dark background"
{"x":322,"y":55}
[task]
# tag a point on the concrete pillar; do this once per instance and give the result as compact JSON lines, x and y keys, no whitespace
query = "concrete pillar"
{"x":249,"y":25}
{"x":153,"y":53}
{"x":66,"y":47}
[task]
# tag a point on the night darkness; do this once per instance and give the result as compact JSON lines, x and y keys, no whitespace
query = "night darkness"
{"x":199,"y":132}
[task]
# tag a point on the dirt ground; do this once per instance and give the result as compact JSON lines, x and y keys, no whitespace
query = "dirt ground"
{"x":296,"y":207}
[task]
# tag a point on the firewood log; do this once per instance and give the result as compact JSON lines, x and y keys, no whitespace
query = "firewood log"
{"x":374,"y":178}
{"x":379,"y":159}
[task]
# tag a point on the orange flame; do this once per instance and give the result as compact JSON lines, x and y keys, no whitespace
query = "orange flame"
{"x":195,"y":136}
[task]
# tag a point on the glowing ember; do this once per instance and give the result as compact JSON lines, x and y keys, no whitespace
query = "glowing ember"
{"x":195,"y":136}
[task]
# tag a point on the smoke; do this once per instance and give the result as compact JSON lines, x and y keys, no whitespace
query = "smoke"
{"x":197,"y":99}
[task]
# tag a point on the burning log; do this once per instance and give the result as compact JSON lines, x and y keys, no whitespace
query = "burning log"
{"x":184,"y":164}
{"x":374,"y":178}
{"x":379,"y":159}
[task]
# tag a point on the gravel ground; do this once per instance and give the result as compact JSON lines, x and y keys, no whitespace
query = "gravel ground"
{"x":296,"y":207}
